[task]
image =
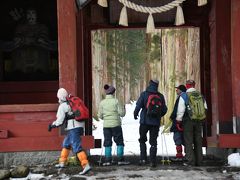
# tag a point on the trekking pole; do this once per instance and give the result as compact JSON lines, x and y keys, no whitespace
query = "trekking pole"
{"x":164,"y":138}
{"x":114,"y":153}
{"x":162,"y":150}
{"x":101,"y":155}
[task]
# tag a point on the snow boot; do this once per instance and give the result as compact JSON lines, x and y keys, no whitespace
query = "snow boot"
{"x":153,"y":154}
{"x":82,"y":156}
{"x":142,"y":162}
{"x":179,"y":152}
{"x":108,"y":156}
{"x":63,"y":158}
{"x":120,"y":152}
{"x":143,"y":154}
{"x":86,"y":169}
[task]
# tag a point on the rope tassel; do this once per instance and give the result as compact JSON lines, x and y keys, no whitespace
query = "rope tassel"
{"x":150,"y":24}
{"x":179,"y":20}
{"x":123,"y":20}
{"x":103,"y":3}
{"x":202,"y":2}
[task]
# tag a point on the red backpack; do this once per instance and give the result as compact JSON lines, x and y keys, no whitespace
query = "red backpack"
{"x":78,"y":108}
{"x":154,"y":106}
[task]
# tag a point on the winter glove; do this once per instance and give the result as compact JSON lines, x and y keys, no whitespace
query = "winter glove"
{"x":179,"y":125}
{"x":135,"y":116}
{"x":50,"y":126}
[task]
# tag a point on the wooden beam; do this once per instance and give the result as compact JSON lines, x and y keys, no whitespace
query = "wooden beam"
{"x":20,"y":144}
{"x":229,"y":141}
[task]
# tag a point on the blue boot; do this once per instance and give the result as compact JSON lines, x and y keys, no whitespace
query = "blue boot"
{"x":108,"y":156}
{"x":120,"y":152}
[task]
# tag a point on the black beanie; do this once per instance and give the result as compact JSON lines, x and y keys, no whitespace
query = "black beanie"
{"x":182,"y":88}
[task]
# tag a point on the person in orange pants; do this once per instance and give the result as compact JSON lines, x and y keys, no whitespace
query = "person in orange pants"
{"x":72,"y":140}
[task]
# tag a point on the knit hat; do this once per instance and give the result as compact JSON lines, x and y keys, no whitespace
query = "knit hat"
{"x":109,"y":89}
{"x":62,"y":94}
{"x":181,"y":88}
{"x":190,"y":82}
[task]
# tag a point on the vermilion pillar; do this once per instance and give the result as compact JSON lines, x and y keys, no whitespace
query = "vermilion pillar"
{"x":67,"y":44}
{"x":235,"y":21}
{"x":220,"y":58}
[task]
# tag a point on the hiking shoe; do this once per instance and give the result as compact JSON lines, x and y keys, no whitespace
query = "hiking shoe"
{"x":142,"y":162}
{"x":153,"y":164}
{"x":123,"y":163}
{"x":176,"y":159}
{"x":60,"y":165}
{"x":86,"y":169}
{"x":107,"y":163}
{"x":187,"y":164}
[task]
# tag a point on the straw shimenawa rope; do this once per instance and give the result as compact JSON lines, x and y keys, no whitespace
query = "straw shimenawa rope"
{"x":151,"y":10}
{"x":123,"y":20}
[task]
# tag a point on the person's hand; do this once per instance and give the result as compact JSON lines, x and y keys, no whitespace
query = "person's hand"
{"x":50,"y":126}
{"x":135,"y":116}
{"x":179,"y":125}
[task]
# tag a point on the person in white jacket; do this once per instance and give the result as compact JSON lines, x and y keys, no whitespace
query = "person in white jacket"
{"x":192,"y":128}
{"x":74,"y":130}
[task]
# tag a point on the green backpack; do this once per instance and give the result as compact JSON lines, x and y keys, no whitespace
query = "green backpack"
{"x":196,"y":110}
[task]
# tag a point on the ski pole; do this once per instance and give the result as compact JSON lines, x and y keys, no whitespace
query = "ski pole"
{"x":162,"y":150}
{"x":100,"y":159}
{"x":168,"y":161}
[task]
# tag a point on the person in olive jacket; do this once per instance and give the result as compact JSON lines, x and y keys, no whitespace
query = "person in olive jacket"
{"x":111,"y":111}
{"x":149,"y":123}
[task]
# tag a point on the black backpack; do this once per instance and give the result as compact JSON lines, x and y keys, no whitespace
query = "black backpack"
{"x":154,"y":105}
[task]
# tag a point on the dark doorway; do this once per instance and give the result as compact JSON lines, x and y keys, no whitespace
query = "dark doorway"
{"x":28,"y":40}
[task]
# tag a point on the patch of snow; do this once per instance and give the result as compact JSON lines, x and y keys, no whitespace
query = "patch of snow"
{"x":234,"y":160}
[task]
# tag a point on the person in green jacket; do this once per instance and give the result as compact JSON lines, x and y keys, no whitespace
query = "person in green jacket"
{"x":111,"y":111}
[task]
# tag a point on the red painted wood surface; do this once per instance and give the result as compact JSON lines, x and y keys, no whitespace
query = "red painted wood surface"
{"x":28,"y":92}
{"x":223,"y":60}
{"x":66,"y":10}
{"x":235,"y":15}
{"x":220,"y":59}
{"x":229,"y":140}
{"x":39,"y":143}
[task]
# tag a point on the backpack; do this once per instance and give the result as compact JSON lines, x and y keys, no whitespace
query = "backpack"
{"x":154,"y":105}
{"x":195,"y":106}
{"x":78,"y":108}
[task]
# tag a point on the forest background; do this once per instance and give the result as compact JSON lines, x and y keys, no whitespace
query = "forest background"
{"x":129,"y":58}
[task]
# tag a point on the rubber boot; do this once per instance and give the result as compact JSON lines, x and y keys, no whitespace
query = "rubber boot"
{"x":63,"y":158}
{"x":179,"y":152}
{"x":153,"y":154}
{"x":120,"y":152}
{"x":108,"y":156}
{"x":143,"y":154}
